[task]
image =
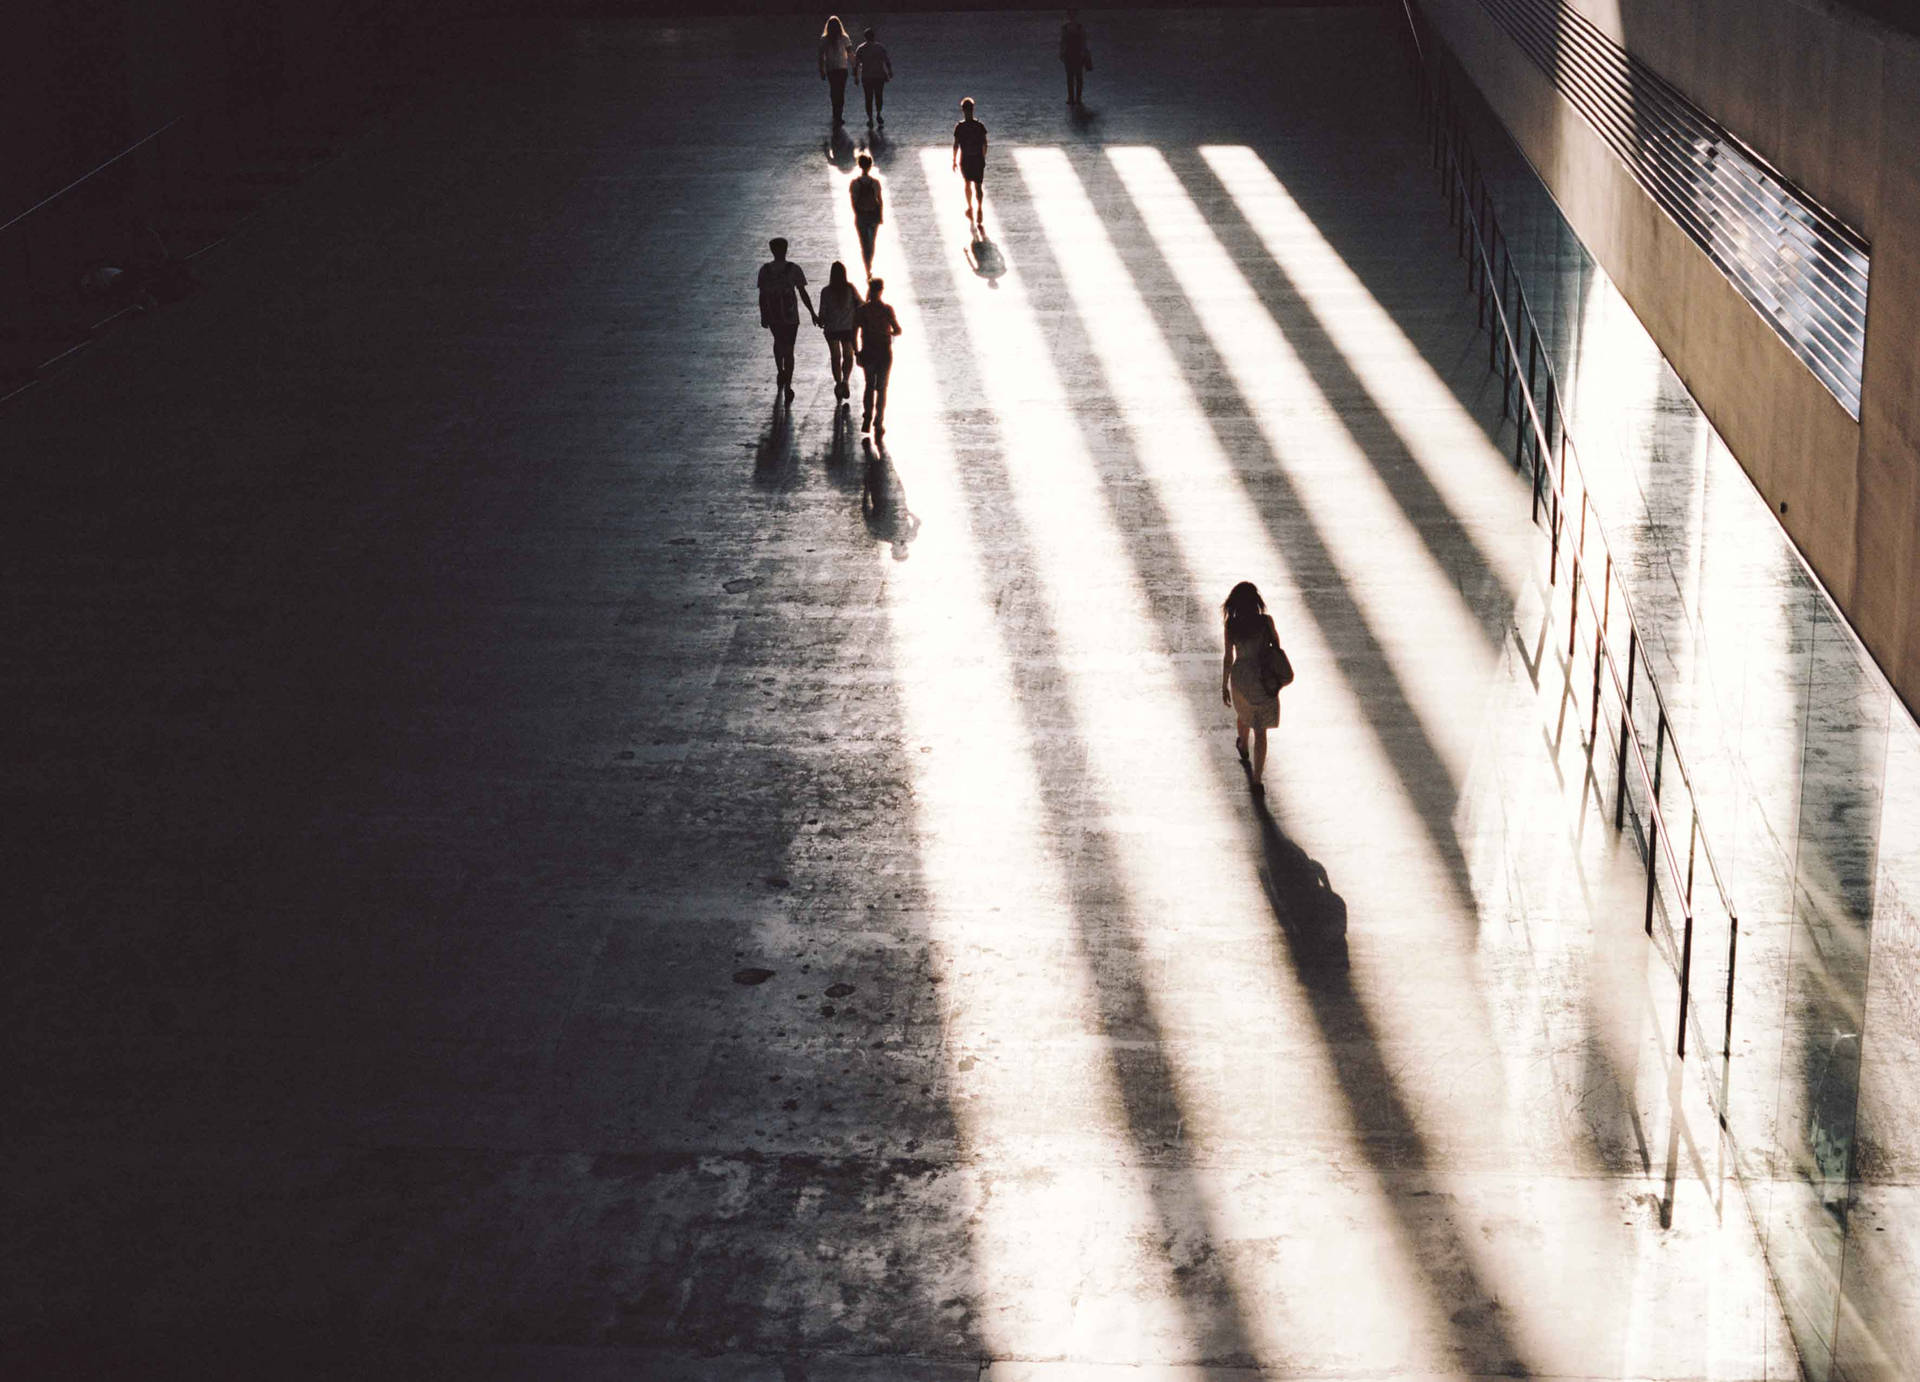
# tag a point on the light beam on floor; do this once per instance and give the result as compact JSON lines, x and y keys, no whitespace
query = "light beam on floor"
{"x":1469,"y":473}
{"x":1058,"y":1197}
{"x":1220,"y":980}
{"x":1436,"y":645}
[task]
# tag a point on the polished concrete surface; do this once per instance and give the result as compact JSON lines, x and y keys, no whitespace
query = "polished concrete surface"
{"x":533,"y":861}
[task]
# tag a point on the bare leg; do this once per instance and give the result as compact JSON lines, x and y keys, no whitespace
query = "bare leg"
{"x":1240,"y":736}
{"x":1259,"y":752}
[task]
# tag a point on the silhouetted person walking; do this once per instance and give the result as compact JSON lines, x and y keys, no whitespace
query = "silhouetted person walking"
{"x":970,"y":157}
{"x":869,"y":208}
{"x":836,"y":52}
{"x":1075,"y":56}
{"x":873,"y":69}
{"x":780,"y":281}
{"x":878,"y":326}
{"x":1252,"y":670}
{"x":839,"y":301}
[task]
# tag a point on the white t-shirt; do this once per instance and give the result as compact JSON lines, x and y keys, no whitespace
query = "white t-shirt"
{"x":836,"y":53}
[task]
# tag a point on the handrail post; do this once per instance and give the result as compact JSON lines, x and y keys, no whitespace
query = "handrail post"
{"x":1686,"y":983}
{"x":1626,"y":728}
{"x":1733,"y":947}
{"x":1579,"y":561}
{"x":1553,"y":553}
{"x":1599,"y":654}
{"x":1653,"y":855}
{"x":1573,"y":607}
{"x":1659,"y":745}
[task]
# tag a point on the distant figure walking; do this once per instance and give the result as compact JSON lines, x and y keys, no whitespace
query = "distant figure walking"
{"x":1075,"y":56}
{"x":878,"y":326}
{"x":836,"y":53}
{"x":780,"y":280}
{"x":970,"y":157}
{"x":839,"y":302}
{"x":873,"y":69}
{"x":1252,"y":670}
{"x":869,"y":208}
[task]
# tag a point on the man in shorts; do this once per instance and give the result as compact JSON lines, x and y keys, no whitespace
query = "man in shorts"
{"x":780,"y":280}
{"x":970,"y":157}
{"x":869,"y":208}
{"x":878,"y":326}
{"x":873,"y":69}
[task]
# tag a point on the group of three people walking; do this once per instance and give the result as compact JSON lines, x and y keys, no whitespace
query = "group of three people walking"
{"x":856,"y":327}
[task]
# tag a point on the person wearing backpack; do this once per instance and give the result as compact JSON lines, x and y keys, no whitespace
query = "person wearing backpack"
{"x":869,"y":208}
{"x":1252,"y":671}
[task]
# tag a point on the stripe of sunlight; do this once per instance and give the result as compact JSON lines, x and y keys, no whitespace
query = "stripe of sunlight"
{"x":1223,"y":995}
{"x":1221,"y":537}
{"x":1430,"y":636}
{"x":1030,"y":1087}
{"x":1468,"y":472}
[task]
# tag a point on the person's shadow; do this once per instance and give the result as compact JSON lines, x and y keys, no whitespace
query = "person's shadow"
{"x":1311,"y":914}
{"x":879,"y":146}
{"x":985,"y":258}
{"x":1083,"y":118}
{"x":839,"y":149}
{"x":883,"y":503}
{"x":775,"y":466}
{"x":839,"y":453}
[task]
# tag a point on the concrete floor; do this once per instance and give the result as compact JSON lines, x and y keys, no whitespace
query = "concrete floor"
{"x":537,"y":863}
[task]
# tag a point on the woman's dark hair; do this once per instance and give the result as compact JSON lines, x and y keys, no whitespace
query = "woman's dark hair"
{"x":1244,"y":611}
{"x":834,"y":29}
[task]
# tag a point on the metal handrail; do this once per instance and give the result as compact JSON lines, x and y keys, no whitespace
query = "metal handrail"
{"x":91,"y":173}
{"x":1471,"y":203}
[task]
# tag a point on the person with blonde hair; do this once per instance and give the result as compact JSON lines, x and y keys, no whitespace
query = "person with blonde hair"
{"x":836,"y":55}
{"x":1252,"y":670}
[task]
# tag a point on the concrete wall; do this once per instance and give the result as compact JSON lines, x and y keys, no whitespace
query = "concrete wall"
{"x":1833,"y":100}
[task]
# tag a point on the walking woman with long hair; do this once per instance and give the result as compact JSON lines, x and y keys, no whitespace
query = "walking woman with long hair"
{"x":836,"y":52}
{"x":1252,"y":671}
{"x":839,"y":304}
